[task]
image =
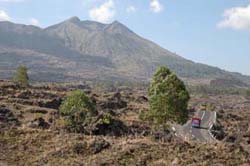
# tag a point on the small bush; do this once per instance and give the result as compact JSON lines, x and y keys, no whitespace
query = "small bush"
{"x":39,"y":115}
{"x":106,"y":119}
{"x":144,"y":115}
{"x":21,"y":77}
{"x":77,"y":110}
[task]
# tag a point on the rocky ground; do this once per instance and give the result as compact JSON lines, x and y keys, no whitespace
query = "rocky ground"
{"x":31,"y":130}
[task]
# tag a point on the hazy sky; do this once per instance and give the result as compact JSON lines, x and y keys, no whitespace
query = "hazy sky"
{"x":214,"y":32}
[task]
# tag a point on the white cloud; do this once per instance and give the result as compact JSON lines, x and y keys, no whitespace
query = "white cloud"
{"x":236,"y":18}
{"x":4,"y":16}
{"x":131,"y":9}
{"x":34,"y":22}
{"x":104,"y":13}
{"x":156,"y":6}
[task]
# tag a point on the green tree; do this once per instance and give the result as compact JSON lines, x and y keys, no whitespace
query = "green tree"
{"x":168,"y":98}
{"x":77,"y":110}
{"x":21,"y":76}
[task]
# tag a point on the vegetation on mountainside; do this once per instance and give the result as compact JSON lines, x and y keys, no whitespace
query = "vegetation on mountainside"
{"x":21,"y":77}
{"x":114,"y":53}
{"x":77,"y":110}
{"x":168,"y":98}
{"x":211,"y":90}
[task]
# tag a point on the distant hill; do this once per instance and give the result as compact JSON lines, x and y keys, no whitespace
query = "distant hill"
{"x":88,"y":50}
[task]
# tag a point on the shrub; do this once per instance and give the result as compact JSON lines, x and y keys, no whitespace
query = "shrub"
{"x":168,"y":98}
{"x":21,"y":77}
{"x":106,"y":119}
{"x":77,"y":110}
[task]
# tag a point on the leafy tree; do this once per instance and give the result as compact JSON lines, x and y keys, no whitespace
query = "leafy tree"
{"x":21,"y":76}
{"x":77,"y":110}
{"x":168,"y":98}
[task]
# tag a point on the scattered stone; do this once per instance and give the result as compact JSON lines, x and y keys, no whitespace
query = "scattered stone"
{"x":41,"y":111}
{"x":234,"y":117}
{"x":7,"y":117}
{"x":53,"y":104}
{"x":115,"y":102}
{"x":231,"y":138}
{"x":163,"y":136}
{"x":99,"y":145}
{"x":80,"y":148}
{"x":23,"y":95}
{"x":218,"y":131}
{"x":38,"y":123}
{"x":138,"y":128}
{"x":105,"y":124}
{"x":175,"y":161}
{"x":142,"y":99}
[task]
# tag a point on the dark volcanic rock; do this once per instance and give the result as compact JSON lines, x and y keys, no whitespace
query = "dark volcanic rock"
{"x":23,"y":95}
{"x":98,"y":145}
{"x":231,"y":138}
{"x":53,"y":104}
{"x":38,"y":123}
{"x":7,"y":117}
{"x":41,"y":111}
{"x":105,"y":124}
{"x":218,"y":131}
{"x":115,"y":102}
{"x":137,"y":128}
{"x":80,"y":148}
{"x":164,"y":136}
{"x":234,"y":117}
{"x":142,"y":99}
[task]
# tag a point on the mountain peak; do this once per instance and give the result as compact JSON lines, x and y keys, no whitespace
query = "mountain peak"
{"x":90,"y":50}
{"x":74,"y":19}
{"x":117,"y":27}
{"x":116,"y":22}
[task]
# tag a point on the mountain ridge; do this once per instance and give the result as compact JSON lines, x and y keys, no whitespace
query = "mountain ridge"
{"x":96,"y":51}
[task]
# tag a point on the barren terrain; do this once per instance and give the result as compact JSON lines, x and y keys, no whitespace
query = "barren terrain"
{"x":31,"y":131}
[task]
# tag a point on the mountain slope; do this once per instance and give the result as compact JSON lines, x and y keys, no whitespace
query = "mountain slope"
{"x":103,"y":51}
{"x":44,"y":54}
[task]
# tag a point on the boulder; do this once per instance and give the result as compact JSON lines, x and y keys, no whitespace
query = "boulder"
{"x":39,"y":123}
{"x":41,"y":111}
{"x":23,"y":95}
{"x":80,"y":148}
{"x":53,"y":104}
{"x":142,"y":99}
{"x":7,"y":118}
{"x":234,"y":117}
{"x":99,"y":145}
{"x":231,"y":138}
{"x":218,"y":131}
{"x":115,"y":102}
{"x":139,"y":128}
{"x":164,"y":136}
{"x":105,"y":124}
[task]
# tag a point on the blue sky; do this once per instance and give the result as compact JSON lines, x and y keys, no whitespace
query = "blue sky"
{"x":214,"y":32}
